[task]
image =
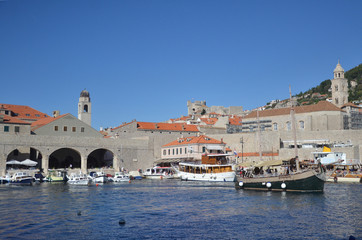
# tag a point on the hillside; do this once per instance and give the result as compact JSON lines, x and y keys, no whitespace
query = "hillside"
{"x":322,"y":91}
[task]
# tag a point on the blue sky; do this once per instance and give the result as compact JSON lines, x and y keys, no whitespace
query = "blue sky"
{"x":144,"y":59}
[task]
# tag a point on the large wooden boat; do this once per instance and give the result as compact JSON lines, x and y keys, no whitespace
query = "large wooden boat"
{"x":213,"y":168}
{"x":307,"y":180}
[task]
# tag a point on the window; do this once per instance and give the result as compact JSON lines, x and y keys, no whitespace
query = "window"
{"x":180,"y":150}
{"x":164,"y":152}
{"x":336,"y":88}
{"x":56,"y":128}
{"x":173,"y":151}
{"x":65,"y":128}
{"x":37,"y":115}
{"x":74,"y":129}
{"x":17,"y":129}
{"x":203,"y":149}
{"x":336,"y":100}
{"x":82,"y":129}
{"x":185,"y":150}
{"x":275,"y":126}
{"x":28,"y":115}
{"x":301,"y":124}
{"x":6,"y":128}
{"x":289,"y":126}
{"x":176,"y":151}
{"x":169,"y":152}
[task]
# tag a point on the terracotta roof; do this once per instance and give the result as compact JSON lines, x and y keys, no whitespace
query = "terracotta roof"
{"x":42,"y":122}
{"x":236,"y":120}
{"x":167,"y":126}
{"x":350,"y":104}
{"x":193,"y":140}
{"x":320,"y":106}
{"x":23,"y":112}
{"x":12,"y":120}
{"x":209,"y":121}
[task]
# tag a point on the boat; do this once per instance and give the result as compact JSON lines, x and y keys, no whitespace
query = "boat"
{"x":212,"y":168}
{"x":79,"y":179}
{"x":21,"y":178}
{"x":38,"y":177}
{"x":342,"y":169}
{"x":57,"y":176}
{"x":120,"y":177}
{"x":304,"y":180}
{"x":5,"y":179}
{"x":98,"y":177}
{"x":158,"y":172}
{"x":291,"y":179}
{"x":136,"y":175}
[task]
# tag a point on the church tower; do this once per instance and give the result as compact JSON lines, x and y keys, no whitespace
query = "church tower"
{"x":339,"y":87}
{"x":85,"y":107}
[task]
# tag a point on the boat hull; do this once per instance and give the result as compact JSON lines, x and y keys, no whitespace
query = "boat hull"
{"x":25,"y":181}
{"x":207,"y":177}
{"x":308,"y":181}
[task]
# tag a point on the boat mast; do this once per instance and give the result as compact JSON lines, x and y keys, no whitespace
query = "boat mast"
{"x":292,"y":112}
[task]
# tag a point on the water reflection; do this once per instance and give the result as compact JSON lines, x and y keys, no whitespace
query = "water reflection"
{"x":175,"y":209}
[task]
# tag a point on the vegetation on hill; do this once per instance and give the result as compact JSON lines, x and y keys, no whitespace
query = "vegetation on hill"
{"x":322,"y":91}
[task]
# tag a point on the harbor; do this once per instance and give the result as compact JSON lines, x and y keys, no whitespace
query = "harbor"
{"x":174,"y":209}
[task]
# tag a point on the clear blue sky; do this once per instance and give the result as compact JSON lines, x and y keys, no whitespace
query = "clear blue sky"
{"x":143,"y":59}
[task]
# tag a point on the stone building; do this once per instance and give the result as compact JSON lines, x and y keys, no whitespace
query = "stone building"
{"x":85,"y":108}
{"x":199,"y":108}
{"x":339,"y":87}
{"x":190,"y":149}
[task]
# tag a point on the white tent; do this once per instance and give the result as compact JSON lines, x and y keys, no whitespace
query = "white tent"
{"x":28,"y":162}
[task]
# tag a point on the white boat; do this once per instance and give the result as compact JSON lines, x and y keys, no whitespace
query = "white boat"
{"x":158,"y":172}
{"x":213,"y":168}
{"x":99,"y":177}
{"x":79,"y":179}
{"x":120,"y":177}
{"x":21,"y":178}
{"x":327,"y":158}
{"x":5,"y":179}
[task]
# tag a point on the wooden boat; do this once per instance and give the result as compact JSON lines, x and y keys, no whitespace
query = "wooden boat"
{"x":307,"y":180}
{"x":213,"y":168}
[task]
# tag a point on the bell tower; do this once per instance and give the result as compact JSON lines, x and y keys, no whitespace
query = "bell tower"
{"x":339,"y":87}
{"x":85,"y":108}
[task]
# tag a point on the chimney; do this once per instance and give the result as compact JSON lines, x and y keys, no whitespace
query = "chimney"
{"x":56,"y":113}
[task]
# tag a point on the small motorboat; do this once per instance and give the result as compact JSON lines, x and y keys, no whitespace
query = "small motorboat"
{"x":98,"y":177}
{"x":21,"y":178}
{"x":120,"y":177}
{"x":5,"y":179}
{"x":79,"y":179}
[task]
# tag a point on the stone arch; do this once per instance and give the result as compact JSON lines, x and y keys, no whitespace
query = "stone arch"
{"x":21,"y":153}
{"x":65,"y":158}
{"x":100,"y":158}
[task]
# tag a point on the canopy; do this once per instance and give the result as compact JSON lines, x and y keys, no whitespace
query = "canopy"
{"x":269,"y":163}
{"x":13,"y":162}
{"x":28,"y":162}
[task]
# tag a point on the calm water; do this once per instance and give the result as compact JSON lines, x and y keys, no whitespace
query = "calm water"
{"x":171,"y":209}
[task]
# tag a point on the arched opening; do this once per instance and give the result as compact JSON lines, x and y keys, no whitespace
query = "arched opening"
{"x":64,"y":158}
{"x":85,"y":108}
{"x":100,"y":158}
{"x":31,"y":156}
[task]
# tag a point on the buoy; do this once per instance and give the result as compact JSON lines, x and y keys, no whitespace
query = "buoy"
{"x":122,"y":221}
{"x":97,"y":184}
{"x":283,"y":185}
{"x":268,"y":185}
{"x":129,"y":181}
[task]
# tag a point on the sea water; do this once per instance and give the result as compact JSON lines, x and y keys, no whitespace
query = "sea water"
{"x":174,"y":209}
